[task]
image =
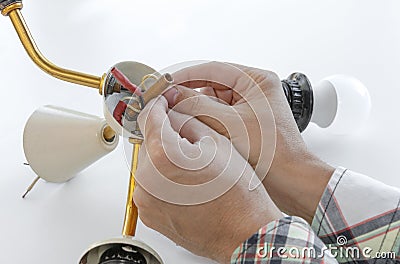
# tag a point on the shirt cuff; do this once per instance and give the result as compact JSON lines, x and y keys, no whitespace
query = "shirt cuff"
{"x":359,"y":214}
{"x":288,"y":240}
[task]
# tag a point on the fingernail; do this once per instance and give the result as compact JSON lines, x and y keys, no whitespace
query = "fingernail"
{"x":171,"y":95}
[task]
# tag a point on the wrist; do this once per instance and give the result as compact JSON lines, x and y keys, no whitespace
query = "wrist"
{"x":244,"y":228}
{"x":297,"y":186}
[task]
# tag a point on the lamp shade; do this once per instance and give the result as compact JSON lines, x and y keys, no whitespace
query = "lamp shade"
{"x":59,"y":143}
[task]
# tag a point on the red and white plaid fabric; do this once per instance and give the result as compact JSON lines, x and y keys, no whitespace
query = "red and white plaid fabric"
{"x":357,"y":221}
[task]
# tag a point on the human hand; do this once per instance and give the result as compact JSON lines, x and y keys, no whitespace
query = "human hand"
{"x":297,"y":178}
{"x":233,"y":110}
{"x":193,"y":186}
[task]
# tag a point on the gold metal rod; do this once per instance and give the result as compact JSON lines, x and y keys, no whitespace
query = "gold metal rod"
{"x":131,"y":211}
{"x":43,"y":63}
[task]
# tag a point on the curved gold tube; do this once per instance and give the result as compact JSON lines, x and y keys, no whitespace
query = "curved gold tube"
{"x":131,"y":211}
{"x":13,"y":11}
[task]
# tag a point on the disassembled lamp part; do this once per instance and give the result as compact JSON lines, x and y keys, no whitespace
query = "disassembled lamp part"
{"x":343,"y":90}
{"x":59,"y":143}
{"x":339,"y":103}
{"x":126,"y":250}
{"x":88,"y":138}
{"x":121,"y":105}
{"x":136,"y":76}
{"x":58,"y":165}
{"x":74,"y":140}
{"x":11,"y":8}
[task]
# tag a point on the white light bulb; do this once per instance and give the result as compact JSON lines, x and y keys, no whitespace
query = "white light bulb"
{"x":342,"y":104}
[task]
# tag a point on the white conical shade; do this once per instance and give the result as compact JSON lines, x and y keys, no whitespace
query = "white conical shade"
{"x":59,"y":142}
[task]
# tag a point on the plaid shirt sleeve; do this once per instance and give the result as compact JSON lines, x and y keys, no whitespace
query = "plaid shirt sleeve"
{"x":361,"y":216}
{"x":357,"y":221}
{"x":288,"y":240}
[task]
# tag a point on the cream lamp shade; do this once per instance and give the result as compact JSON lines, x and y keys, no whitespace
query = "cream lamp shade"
{"x":59,"y":143}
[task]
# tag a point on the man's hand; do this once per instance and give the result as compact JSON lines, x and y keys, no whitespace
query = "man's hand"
{"x":296,"y":179}
{"x":193,"y":186}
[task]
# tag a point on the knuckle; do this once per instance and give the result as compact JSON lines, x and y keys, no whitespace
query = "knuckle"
{"x":212,"y":64}
{"x":153,"y":142}
{"x":189,"y":105}
{"x":141,"y":198}
{"x":146,"y":220}
{"x":138,"y":200}
{"x":266,"y":79}
{"x":268,"y":74}
{"x":260,"y":76}
{"x":273,"y":76}
{"x":195,"y":107}
{"x":160,"y":158}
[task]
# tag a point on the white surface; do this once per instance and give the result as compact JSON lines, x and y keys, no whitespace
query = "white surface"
{"x":57,"y":222}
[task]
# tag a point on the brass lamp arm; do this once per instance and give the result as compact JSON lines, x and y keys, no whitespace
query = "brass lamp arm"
{"x":11,"y":8}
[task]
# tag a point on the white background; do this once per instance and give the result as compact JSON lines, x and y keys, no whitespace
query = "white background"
{"x":55,"y":223}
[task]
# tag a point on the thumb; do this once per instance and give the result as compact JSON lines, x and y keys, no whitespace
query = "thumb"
{"x":208,"y":110}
